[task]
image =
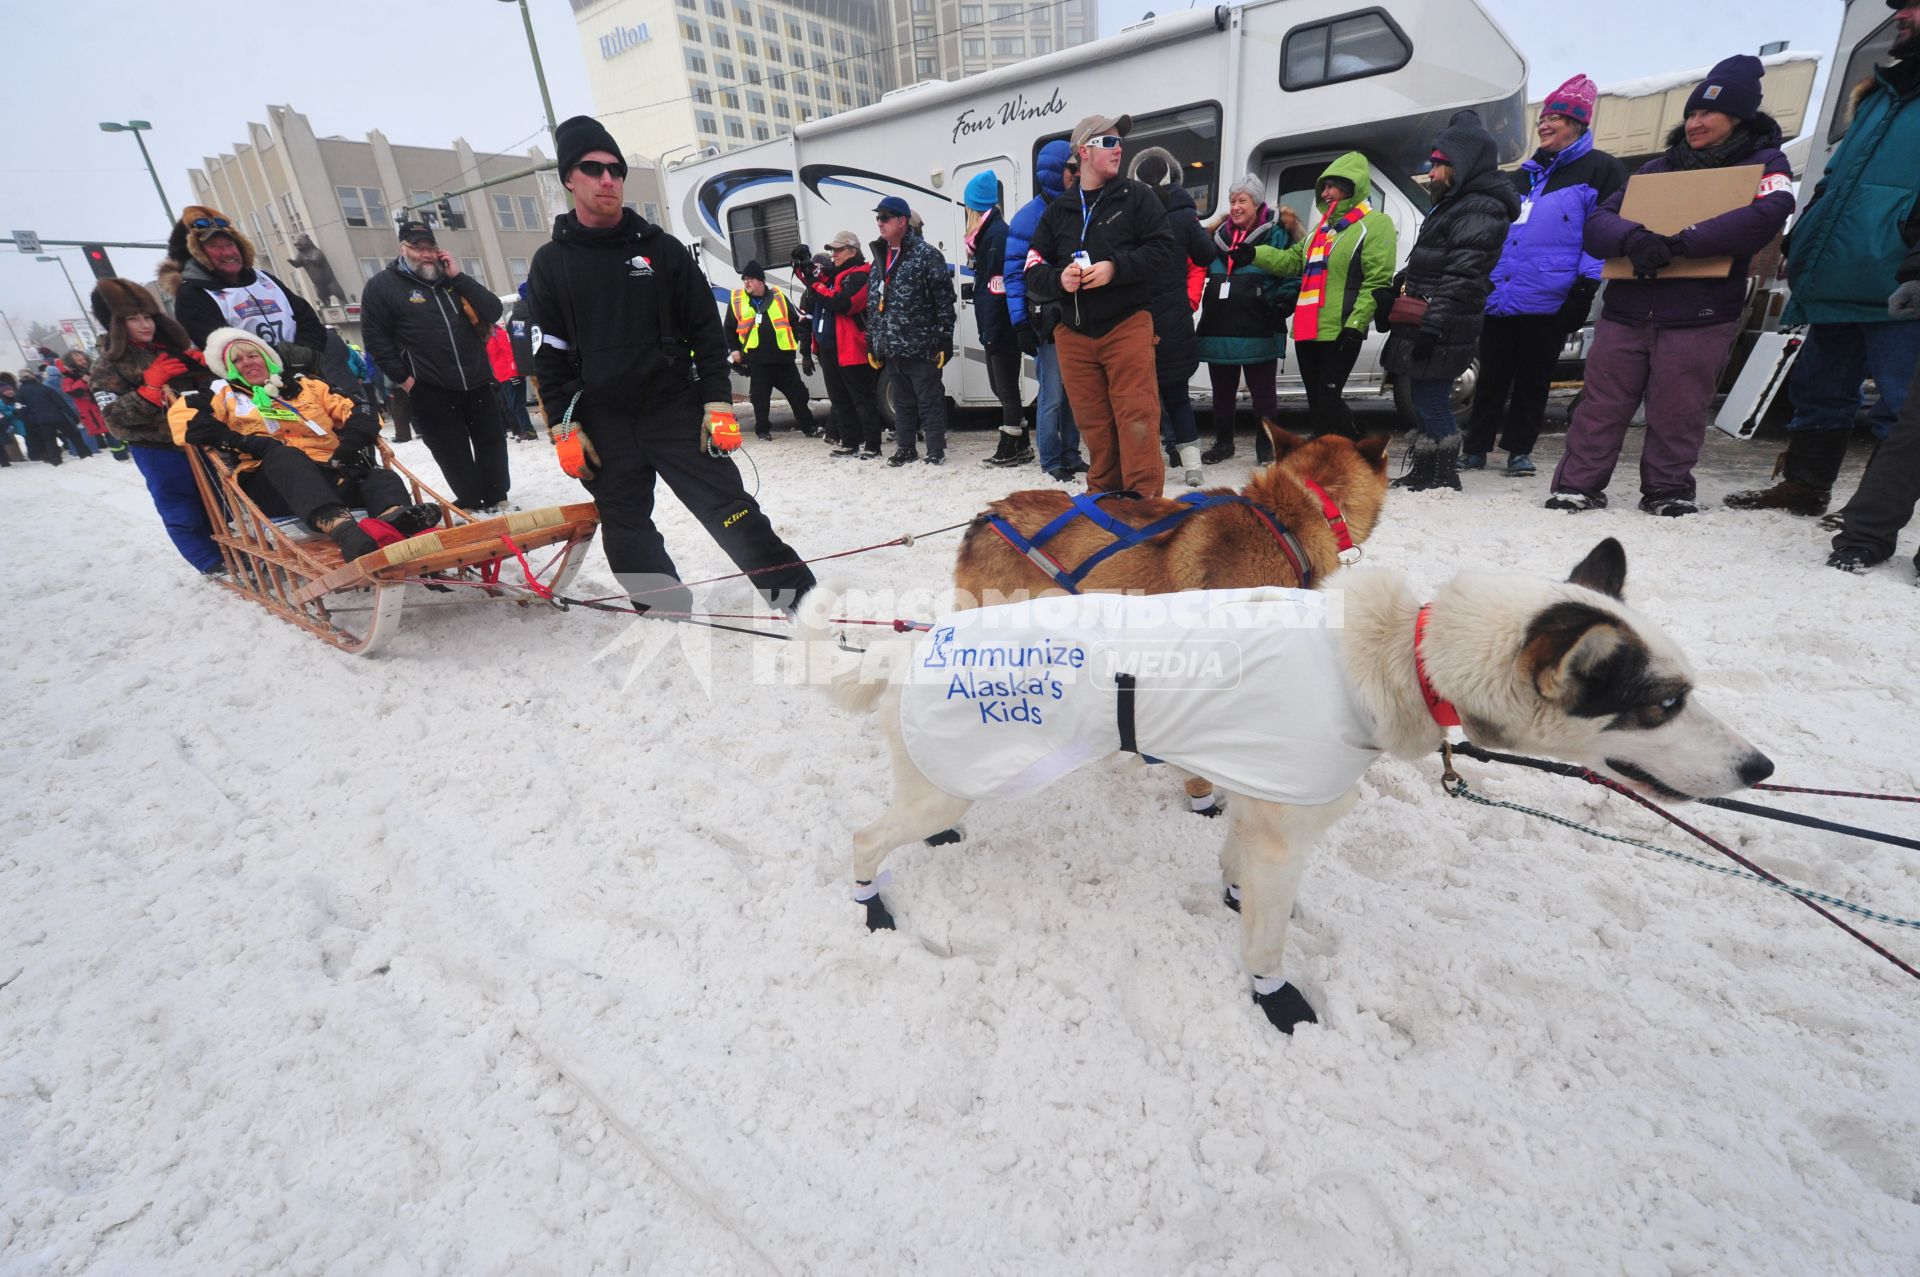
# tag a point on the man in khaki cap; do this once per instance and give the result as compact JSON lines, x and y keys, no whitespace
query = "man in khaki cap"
{"x":1097,"y":253}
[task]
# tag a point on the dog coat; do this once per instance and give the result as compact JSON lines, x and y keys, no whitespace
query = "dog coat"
{"x":1242,"y":687}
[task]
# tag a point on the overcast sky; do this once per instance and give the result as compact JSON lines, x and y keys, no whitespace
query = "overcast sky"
{"x":426,"y":73}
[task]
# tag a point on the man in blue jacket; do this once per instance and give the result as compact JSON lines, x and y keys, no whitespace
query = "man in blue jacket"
{"x":1055,"y":173}
{"x":1841,"y":260}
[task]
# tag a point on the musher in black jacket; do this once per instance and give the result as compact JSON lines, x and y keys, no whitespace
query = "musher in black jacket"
{"x":630,"y":338}
{"x":426,"y":325}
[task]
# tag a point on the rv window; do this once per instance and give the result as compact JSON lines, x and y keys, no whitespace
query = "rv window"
{"x":1186,"y":138}
{"x":1344,"y":48}
{"x":766,"y":232}
{"x":1866,"y":55}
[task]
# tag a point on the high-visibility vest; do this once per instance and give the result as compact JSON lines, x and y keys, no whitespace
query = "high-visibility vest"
{"x":778,"y":313}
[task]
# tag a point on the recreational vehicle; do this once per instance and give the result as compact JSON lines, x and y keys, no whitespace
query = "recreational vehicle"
{"x":1274,"y":87}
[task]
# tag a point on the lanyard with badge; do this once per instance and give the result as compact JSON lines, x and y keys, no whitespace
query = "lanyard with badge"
{"x":886,"y":273}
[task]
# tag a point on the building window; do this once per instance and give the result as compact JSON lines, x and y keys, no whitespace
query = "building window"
{"x":866,"y":98}
{"x":742,"y":15}
{"x":973,"y":47}
{"x":730,"y":99}
{"x":1348,"y":48}
{"x":704,"y":121}
{"x":923,"y":33}
{"x":530,"y":218}
{"x":846,"y":98}
{"x":701,"y":93}
{"x":747,"y":45}
{"x":371,"y":266}
{"x":780,"y":111}
{"x":972,"y":12}
{"x":753,"y":75}
{"x":690,"y":31}
{"x":691,"y":6}
{"x":816,"y":34}
{"x":793,"y":29}
{"x":840,"y":70}
{"x":273,"y":217}
{"x":923,"y":6}
{"x":859,"y":74}
{"x":735,"y":128}
{"x":696,"y":62}
{"x":760,"y":133}
{"x":721,"y":40}
{"x":767,"y":232}
{"x":376,"y":205}
{"x":516,"y":272}
{"x":651,"y":212}
{"x":456,"y":212}
{"x":798,"y":84}
{"x":503,"y":213}
{"x":923,"y":66}
{"x":1008,"y":12}
{"x":1043,"y":44}
{"x":859,"y":47}
{"x":820,"y":63}
{"x":723,"y":67}
{"x":839,"y":42}
{"x":293,"y":212}
{"x":352,"y":212}
{"x":769,"y":21}
{"x":1010,"y":46}
{"x":259,"y":232}
{"x":471,"y":266}
{"x":757,"y":103}
{"x":718,"y":8}
{"x":773,"y":53}
{"x":806,"y":113}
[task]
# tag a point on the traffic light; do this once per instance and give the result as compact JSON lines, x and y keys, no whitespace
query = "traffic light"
{"x":446,"y":212}
{"x":97,"y":262}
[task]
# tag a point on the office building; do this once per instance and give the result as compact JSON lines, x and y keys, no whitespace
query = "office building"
{"x":952,"y":39}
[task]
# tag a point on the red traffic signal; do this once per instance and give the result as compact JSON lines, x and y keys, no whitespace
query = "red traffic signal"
{"x":97,"y":262}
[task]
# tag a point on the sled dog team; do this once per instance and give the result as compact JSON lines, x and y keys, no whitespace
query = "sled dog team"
{"x":1201,"y":648}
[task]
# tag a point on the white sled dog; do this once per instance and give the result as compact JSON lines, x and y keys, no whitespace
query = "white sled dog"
{"x":1002,"y":701}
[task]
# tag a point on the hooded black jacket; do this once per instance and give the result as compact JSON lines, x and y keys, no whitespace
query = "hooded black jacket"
{"x":1451,"y":265}
{"x":416,"y":329}
{"x":1123,"y":223}
{"x":625,"y":317}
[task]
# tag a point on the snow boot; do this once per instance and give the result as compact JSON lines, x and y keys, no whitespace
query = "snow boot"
{"x":1190,"y":463}
{"x":904,"y":455}
{"x":1669,"y":507}
{"x":1418,"y":465}
{"x":1222,"y":449}
{"x":1806,"y":471}
{"x":412,"y":520}
{"x":1520,"y":467}
{"x":1012,"y":450}
{"x":1473,"y":461}
{"x":1446,"y":462}
{"x":339,"y":527}
{"x":1575,"y":502}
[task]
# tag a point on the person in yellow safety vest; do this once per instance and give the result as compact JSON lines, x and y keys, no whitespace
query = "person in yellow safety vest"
{"x":765,"y":340}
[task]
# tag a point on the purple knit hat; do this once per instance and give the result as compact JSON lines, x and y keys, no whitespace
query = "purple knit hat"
{"x":1575,"y":99}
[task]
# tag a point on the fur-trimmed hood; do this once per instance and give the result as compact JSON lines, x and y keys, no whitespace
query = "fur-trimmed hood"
{"x":185,"y":245}
{"x":114,"y":301}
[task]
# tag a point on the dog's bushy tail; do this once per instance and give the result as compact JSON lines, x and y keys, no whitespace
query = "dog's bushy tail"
{"x":854,"y":681}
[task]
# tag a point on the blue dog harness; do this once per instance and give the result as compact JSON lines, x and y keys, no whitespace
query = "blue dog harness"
{"x":1126,"y":536}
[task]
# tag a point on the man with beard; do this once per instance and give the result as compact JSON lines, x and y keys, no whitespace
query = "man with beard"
{"x":427,"y":325}
{"x":1842,"y":259}
{"x":210,"y":275}
{"x":632,"y":368}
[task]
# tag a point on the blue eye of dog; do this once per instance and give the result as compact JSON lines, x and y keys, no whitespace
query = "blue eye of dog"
{"x":1670,"y":702}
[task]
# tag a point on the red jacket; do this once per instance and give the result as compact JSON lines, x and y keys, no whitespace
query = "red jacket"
{"x":845,"y":292}
{"x":500,"y":354}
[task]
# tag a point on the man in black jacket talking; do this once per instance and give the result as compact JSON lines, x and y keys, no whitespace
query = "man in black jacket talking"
{"x":1098,"y":254}
{"x":426,"y":326}
{"x":632,"y":365}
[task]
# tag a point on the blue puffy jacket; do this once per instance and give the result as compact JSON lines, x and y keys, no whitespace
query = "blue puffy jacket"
{"x":1543,"y":257}
{"x":1864,"y":218}
{"x":1049,"y":174}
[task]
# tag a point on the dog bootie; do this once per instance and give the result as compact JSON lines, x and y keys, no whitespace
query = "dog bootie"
{"x":1284,"y":1007}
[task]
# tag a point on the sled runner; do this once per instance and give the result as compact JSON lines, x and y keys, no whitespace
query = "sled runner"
{"x":302,"y":578}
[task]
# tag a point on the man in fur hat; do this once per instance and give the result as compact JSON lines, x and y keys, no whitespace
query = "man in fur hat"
{"x":300,"y":447}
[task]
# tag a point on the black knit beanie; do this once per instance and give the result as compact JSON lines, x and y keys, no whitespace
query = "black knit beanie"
{"x":579,"y":135}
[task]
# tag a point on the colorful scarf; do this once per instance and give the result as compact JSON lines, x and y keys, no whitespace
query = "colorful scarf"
{"x":1313,"y":280}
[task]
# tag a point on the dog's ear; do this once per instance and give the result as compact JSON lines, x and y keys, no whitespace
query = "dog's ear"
{"x":1604,"y":569}
{"x":1579,"y":655}
{"x":1373,"y":450}
{"x":1283,"y":443}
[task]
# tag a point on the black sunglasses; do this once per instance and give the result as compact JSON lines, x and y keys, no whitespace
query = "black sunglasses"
{"x":202,"y":223}
{"x":595,"y":168}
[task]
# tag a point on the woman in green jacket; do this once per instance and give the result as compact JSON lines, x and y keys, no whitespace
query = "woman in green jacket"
{"x":1350,"y":254}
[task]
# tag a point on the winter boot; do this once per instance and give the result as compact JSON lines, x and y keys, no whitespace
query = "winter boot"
{"x":1222,"y":449}
{"x":412,"y":520}
{"x":903,"y":455}
{"x":1418,"y":465}
{"x":1012,"y":450}
{"x":1520,"y":467}
{"x":1473,"y":461}
{"x":338,"y":525}
{"x":1446,"y":462}
{"x":1190,"y":463}
{"x":1806,"y":471}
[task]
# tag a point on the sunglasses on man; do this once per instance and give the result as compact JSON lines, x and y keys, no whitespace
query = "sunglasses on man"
{"x":1106,"y":143}
{"x":598,"y":168}
{"x":884,"y":218}
{"x":208,"y":223}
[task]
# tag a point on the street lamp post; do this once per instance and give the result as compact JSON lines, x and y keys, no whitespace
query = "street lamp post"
{"x":539,"y":73}
{"x":137,"y":127}
{"x":17,"y":343}
{"x":84,"y":312}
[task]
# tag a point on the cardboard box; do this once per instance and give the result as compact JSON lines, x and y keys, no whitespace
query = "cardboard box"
{"x":1668,"y":203}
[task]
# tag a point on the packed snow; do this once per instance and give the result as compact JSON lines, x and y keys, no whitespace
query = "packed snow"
{"x":524,"y":946}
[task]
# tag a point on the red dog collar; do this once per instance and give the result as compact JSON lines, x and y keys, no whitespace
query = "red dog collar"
{"x":1442,"y":710}
{"x":1337,"y":522}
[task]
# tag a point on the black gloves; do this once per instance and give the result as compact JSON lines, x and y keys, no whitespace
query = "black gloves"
{"x":257,"y":446}
{"x":1424,"y":344}
{"x":1573,"y":311}
{"x":1648,"y":253}
{"x":1242,"y":257}
{"x":1348,"y":342}
{"x":806,"y":363}
{"x":356,"y":443}
{"x":1028,"y":339}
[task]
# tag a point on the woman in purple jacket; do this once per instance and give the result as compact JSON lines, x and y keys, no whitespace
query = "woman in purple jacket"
{"x":1664,"y":340}
{"x":1545,"y":282}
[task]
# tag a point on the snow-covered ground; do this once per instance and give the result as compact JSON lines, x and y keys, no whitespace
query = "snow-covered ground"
{"x":524,"y":947}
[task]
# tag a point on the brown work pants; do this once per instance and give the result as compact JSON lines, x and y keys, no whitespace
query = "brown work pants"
{"x":1116,"y":403}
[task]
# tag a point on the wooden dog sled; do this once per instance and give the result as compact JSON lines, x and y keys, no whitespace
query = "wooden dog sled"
{"x":302,"y":578}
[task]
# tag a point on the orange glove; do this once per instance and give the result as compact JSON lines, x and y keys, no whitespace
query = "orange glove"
{"x":720,"y":430}
{"x":575,"y":450}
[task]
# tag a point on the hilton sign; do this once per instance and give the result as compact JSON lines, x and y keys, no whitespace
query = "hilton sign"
{"x":620,"y":39}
